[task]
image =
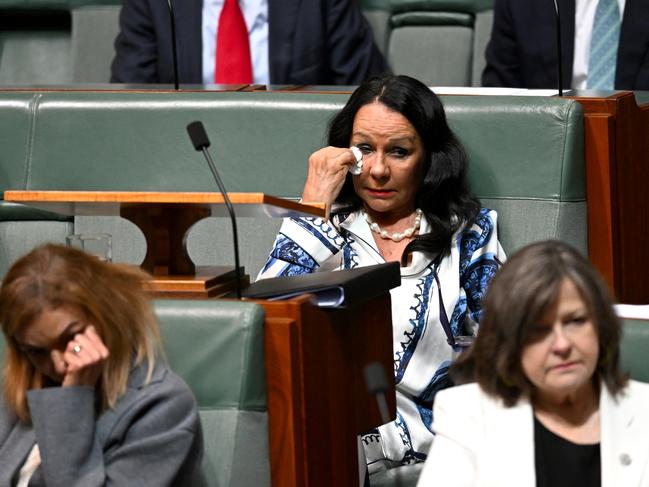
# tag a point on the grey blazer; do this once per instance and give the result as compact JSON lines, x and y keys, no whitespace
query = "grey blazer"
{"x":152,"y":436}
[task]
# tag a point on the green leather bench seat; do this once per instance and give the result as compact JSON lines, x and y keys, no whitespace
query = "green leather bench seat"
{"x":218,"y":348}
{"x":526,"y":158}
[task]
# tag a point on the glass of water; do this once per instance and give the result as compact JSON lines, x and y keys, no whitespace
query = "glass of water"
{"x":98,"y":244}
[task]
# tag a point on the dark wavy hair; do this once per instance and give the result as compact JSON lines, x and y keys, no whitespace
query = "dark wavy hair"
{"x":520,"y":294}
{"x":443,"y":193}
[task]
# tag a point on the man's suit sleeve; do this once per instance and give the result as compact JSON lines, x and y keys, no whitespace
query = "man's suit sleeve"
{"x":353,"y":55}
{"x":503,"y":59}
{"x":136,"y":45}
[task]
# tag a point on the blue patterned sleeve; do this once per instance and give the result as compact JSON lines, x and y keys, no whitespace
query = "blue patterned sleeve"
{"x":301,"y":247}
{"x":480,"y":257}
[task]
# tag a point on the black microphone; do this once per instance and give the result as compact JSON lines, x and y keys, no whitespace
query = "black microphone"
{"x":201,"y":142}
{"x":559,"y":49}
{"x":377,"y":384}
{"x":174,"y":56}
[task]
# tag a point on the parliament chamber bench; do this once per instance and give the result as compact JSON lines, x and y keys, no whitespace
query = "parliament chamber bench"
{"x":526,"y":161}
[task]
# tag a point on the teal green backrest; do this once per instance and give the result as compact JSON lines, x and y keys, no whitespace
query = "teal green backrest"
{"x":21,"y":228}
{"x":56,"y":41}
{"x":16,"y":117}
{"x":138,"y":141}
{"x":441,"y":42}
{"x":526,"y":155}
{"x":217,"y":347}
{"x":635,"y":348}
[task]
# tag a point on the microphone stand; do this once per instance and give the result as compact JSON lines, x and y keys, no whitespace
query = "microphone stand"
{"x":559,"y":49}
{"x":376,"y":384}
{"x":173,"y":43}
{"x":200,"y":141}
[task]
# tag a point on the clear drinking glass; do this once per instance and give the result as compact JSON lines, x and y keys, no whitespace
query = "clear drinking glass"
{"x":97,"y":244}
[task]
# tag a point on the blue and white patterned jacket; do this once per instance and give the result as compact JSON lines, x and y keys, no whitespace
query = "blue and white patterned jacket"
{"x":422,"y":353}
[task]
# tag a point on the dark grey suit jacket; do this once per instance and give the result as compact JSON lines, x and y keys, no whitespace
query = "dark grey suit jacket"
{"x":522,"y":51}
{"x":151,"y":438}
{"x":310,"y":42}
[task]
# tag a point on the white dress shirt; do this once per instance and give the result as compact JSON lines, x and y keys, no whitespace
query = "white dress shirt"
{"x":255,"y":13}
{"x":584,"y":18}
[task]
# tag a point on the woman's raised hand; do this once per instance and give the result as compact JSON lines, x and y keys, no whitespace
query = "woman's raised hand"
{"x":326,"y":174}
{"x":82,"y":361}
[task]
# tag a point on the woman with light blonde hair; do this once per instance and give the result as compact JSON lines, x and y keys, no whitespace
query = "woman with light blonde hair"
{"x":86,"y":399}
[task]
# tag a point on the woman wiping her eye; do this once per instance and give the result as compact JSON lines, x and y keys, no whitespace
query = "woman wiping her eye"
{"x":87,"y":399}
{"x":409,"y":203}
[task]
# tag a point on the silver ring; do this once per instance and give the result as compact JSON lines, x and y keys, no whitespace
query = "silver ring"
{"x":76,"y":348}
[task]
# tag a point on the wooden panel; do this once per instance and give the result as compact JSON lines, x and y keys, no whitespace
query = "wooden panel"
{"x":95,"y":203}
{"x":617,"y":165}
{"x":315,"y":361}
{"x":599,"y":149}
{"x":285,"y":425}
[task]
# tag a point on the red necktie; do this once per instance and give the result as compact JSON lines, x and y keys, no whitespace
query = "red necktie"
{"x":233,"y":65}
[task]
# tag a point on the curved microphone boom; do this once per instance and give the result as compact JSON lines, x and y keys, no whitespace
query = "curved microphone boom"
{"x":201,"y":142}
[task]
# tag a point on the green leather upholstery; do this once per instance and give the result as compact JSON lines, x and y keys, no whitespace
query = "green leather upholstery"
{"x":94,"y":28}
{"x":217,"y":347}
{"x":441,"y":42}
{"x":635,"y":348}
{"x":56,"y":41}
{"x":526,"y":157}
{"x":21,"y":228}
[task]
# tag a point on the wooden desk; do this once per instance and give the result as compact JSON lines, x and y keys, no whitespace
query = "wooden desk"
{"x":165,"y":219}
{"x":317,"y":399}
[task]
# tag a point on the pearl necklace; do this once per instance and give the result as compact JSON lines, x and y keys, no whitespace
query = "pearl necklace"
{"x":396,"y":236}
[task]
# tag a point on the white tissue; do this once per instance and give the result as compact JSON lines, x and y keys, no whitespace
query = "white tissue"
{"x":357,"y":168}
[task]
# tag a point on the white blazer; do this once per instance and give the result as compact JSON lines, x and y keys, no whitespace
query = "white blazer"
{"x":480,"y":442}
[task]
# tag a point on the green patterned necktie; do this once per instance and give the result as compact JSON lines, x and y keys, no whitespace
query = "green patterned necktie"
{"x":603,"y":46}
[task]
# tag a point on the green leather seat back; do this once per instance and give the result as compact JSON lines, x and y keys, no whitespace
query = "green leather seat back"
{"x":435,"y":47}
{"x":34,"y":44}
{"x":94,"y":28}
{"x":21,"y":228}
{"x":635,"y":348}
{"x":16,"y":116}
{"x":527,"y":162}
{"x":441,"y":42}
{"x":377,"y":13}
{"x":217,"y":347}
{"x":526,"y":157}
{"x":57,"y":41}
